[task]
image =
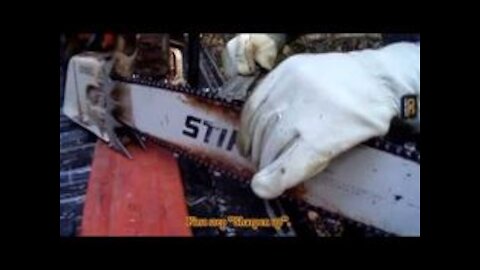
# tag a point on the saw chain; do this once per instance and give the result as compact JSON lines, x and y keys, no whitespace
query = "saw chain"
{"x":407,"y":150}
{"x":219,"y":95}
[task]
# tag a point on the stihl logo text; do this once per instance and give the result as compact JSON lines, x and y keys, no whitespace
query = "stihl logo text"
{"x":221,"y":137}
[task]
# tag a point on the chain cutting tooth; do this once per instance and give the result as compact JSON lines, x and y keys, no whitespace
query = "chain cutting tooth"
{"x":114,"y":140}
{"x":116,"y":144}
{"x":111,"y":124}
{"x":137,"y":138}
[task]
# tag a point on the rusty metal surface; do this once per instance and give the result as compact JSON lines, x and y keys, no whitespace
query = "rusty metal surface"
{"x":323,"y":220}
{"x":324,"y":223}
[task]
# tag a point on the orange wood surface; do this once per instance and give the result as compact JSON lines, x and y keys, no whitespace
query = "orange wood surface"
{"x":139,"y":197}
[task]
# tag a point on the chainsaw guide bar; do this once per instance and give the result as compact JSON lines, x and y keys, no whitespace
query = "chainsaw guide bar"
{"x":200,"y":124}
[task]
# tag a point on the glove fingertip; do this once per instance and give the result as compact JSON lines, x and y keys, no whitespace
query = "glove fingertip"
{"x":264,"y":187}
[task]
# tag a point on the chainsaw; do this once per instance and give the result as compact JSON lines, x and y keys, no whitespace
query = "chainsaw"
{"x":375,"y":185}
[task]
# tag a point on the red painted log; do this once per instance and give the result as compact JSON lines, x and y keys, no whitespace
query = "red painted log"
{"x":139,"y":197}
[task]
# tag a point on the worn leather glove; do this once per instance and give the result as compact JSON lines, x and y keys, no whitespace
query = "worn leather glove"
{"x":312,"y":107}
{"x":245,"y":51}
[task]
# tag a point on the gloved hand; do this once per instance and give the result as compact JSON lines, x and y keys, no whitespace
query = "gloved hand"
{"x":312,"y":107}
{"x":245,"y":51}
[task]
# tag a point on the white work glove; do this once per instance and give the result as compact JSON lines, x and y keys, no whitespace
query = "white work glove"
{"x":312,"y":107}
{"x":245,"y":51}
